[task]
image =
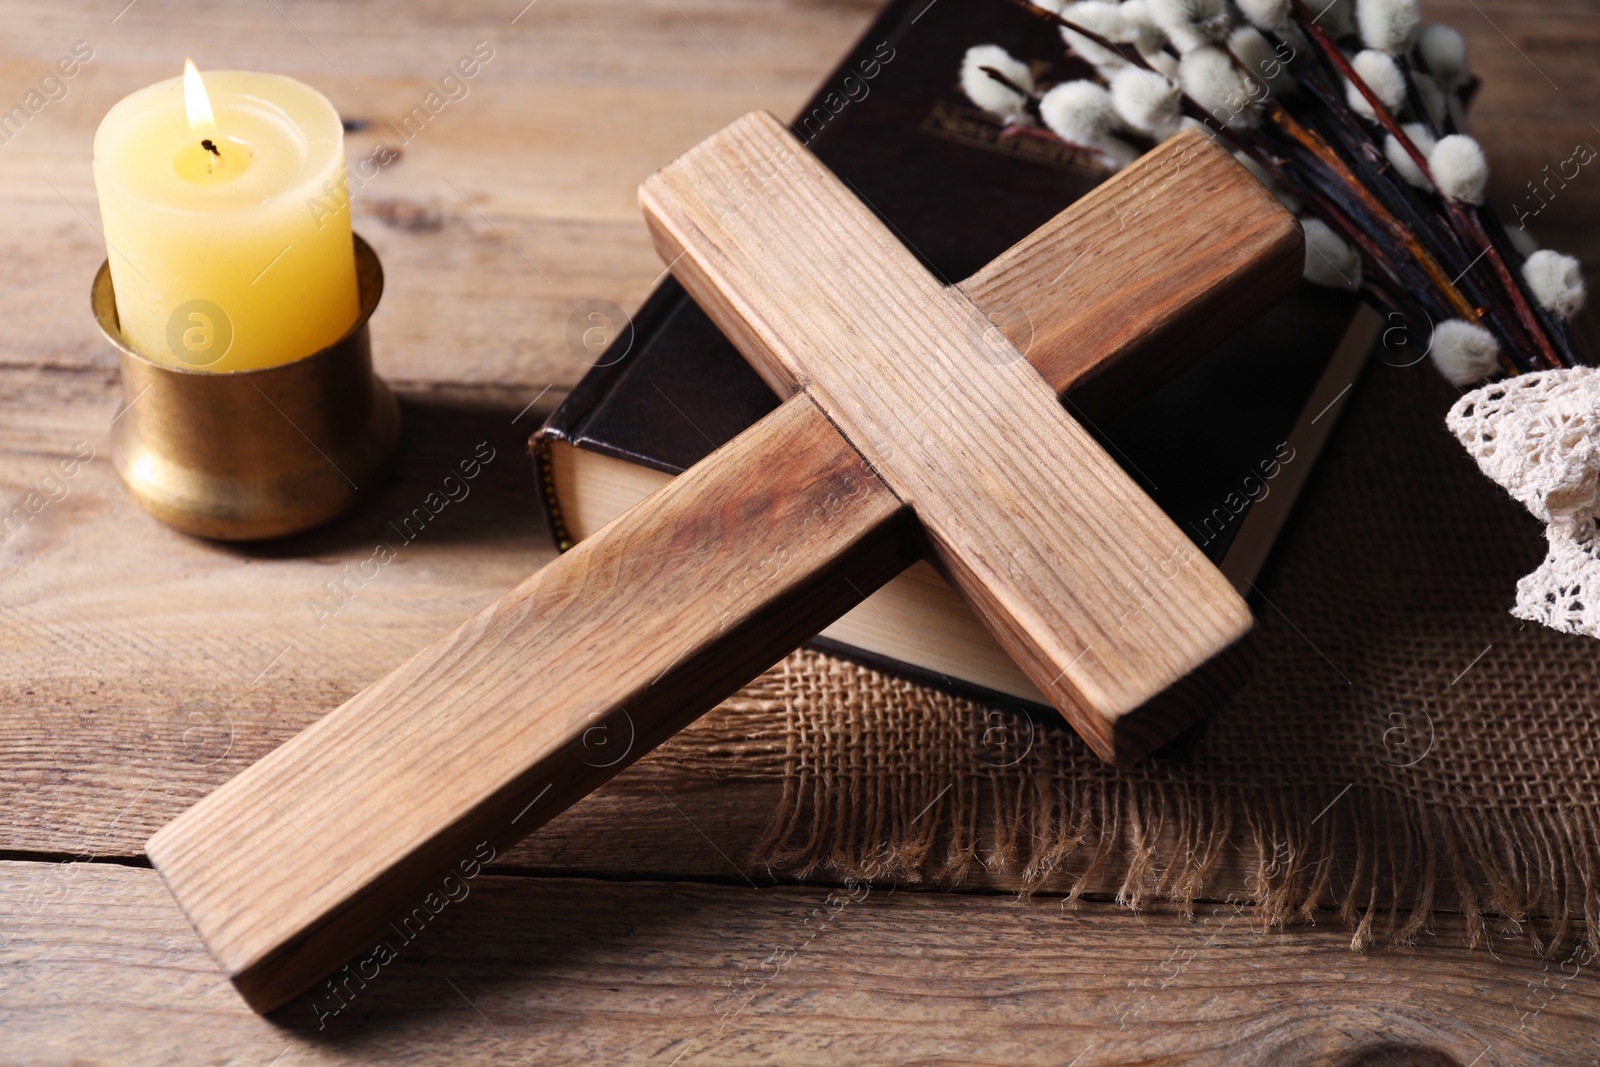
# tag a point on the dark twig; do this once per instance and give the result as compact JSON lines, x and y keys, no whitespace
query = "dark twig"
{"x":1007,"y":82}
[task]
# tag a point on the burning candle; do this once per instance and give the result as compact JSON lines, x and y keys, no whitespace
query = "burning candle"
{"x":207,"y":192}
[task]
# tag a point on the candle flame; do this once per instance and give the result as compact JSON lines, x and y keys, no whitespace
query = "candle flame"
{"x":202,"y":123}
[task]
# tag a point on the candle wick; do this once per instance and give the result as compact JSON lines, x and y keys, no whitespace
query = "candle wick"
{"x":209,"y":146}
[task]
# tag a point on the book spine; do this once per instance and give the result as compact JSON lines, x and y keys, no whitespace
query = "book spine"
{"x":544,"y":483}
{"x":567,"y":421}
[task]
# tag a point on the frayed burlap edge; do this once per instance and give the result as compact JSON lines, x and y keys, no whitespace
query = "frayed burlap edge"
{"x":894,"y":782}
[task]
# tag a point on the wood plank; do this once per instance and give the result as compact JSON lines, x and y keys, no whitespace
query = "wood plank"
{"x":97,"y":964}
{"x":527,"y":706}
{"x":685,"y":811}
{"x":1055,"y":548}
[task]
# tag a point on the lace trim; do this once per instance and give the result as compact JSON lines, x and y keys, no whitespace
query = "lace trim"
{"x":1538,"y":435}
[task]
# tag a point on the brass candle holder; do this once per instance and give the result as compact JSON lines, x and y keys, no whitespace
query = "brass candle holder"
{"x":253,"y":454}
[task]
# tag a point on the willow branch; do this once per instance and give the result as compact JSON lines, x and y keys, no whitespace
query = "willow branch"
{"x":1465,"y":220}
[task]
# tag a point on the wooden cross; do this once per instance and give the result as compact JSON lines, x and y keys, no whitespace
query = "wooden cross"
{"x":914,"y":423}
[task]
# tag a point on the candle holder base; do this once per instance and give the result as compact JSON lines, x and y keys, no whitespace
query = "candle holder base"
{"x":255,"y":454}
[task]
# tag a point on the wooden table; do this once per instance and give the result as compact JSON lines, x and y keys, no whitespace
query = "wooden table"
{"x":141,"y":668}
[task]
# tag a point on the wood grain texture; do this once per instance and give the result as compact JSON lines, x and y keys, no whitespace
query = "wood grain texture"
{"x":533,"y":702}
{"x":99,"y":967}
{"x":1097,"y":595}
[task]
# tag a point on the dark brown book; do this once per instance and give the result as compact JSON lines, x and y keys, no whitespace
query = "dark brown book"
{"x":1223,"y":449}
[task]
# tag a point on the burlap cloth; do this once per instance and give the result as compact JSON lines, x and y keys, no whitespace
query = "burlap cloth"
{"x":1405,"y":744}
